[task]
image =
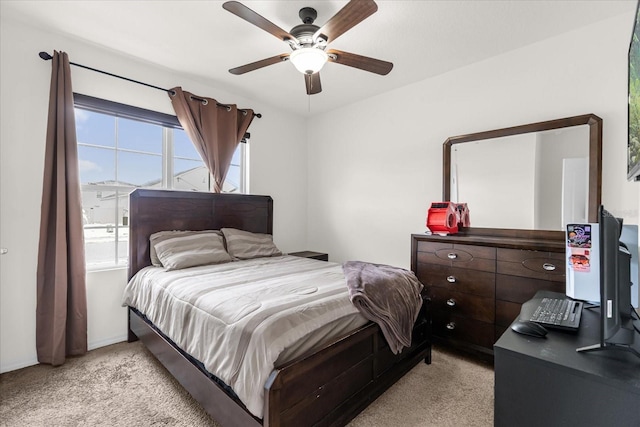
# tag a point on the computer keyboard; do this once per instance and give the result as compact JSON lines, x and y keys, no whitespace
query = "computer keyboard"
{"x":563,"y":313}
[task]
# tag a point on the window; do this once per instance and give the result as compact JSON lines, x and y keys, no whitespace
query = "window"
{"x":121,"y":148}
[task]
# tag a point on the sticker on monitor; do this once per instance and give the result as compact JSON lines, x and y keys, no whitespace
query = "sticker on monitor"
{"x":579,"y":235}
{"x":580,"y":259}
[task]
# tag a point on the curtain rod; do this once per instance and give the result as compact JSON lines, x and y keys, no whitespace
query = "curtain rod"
{"x":45,"y":56}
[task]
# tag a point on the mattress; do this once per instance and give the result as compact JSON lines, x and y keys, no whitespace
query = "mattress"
{"x":242,"y":318}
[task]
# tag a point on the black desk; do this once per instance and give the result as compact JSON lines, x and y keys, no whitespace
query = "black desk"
{"x":545,"y":382}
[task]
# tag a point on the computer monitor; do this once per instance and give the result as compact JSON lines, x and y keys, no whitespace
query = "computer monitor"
{"x":619,"y":328}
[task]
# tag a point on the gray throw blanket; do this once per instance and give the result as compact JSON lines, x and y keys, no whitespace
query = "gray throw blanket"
{"x":389,"y":296}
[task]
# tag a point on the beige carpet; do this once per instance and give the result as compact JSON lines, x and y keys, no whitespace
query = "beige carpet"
{"x":123,"y":385}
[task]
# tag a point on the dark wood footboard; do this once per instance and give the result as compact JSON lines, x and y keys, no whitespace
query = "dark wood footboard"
{"x":332,"y":386}
{"x":326,"y":388}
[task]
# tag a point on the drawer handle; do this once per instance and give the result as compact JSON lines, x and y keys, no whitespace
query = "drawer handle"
{"x":451,"y":326}
{"x":451,"y":279}
{"x":548,"y":267}
{"x":452,"y":255}
{"x":451,"y":302}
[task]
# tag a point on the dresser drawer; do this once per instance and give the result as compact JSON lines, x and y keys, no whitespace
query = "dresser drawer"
{"x":532,"y":264}
{"x":474,"y":250}
{"x":462,"y":304}
{"x":522,"y":289}
{"x":463,"y":256}
{"x":450,"y":326}
{"x":475,"y":282}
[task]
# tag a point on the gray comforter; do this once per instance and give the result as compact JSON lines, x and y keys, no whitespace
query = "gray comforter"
{"x":389,"y":296}
{"x":237,"y":318}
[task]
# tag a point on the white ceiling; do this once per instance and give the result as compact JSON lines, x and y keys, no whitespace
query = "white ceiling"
{"x":422,"y":39}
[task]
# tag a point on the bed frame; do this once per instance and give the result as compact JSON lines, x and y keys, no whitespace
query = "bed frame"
{"x":328,"y":387}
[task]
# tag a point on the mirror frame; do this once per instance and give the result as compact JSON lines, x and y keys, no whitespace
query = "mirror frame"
{"x":595,"y":155}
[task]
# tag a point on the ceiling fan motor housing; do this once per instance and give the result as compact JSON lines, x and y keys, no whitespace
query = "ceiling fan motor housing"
{"x":305,"y":31}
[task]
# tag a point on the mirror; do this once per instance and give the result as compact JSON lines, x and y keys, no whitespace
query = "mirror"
{"x":538,"y":176}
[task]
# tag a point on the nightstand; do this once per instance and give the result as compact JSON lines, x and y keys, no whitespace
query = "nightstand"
{"x":310,"y":254}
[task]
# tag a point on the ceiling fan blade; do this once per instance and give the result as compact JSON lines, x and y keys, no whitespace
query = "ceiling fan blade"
{"x":259,"y":64}
{"x":312,"y":81}
{"x":348,"y":17}
{"x":358,"y":61}
{"x":254,"y":18}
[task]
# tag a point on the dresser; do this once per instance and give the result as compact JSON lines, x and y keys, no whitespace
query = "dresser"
{"x":478,"y":282}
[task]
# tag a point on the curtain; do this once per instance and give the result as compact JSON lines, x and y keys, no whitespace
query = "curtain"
{"x":61,"y":313}
{"x":215,"y":130}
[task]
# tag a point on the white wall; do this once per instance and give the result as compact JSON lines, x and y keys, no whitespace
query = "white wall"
{"x":278,"y":168}
{"x":371,"y":183}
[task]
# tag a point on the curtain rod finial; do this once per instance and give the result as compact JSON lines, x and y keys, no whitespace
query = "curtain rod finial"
{"x":45,"y":56}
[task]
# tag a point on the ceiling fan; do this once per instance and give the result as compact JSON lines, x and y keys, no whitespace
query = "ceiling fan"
{"x":308,"y":42}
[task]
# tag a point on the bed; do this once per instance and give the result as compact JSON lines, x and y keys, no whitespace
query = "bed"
{"x":327,"y":385}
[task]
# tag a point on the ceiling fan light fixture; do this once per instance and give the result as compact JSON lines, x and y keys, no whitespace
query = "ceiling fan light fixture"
{"x":309,"y":60}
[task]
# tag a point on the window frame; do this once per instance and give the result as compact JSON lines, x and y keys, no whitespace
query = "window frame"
{"x":117,"y":109}
{"x":167,"y":121}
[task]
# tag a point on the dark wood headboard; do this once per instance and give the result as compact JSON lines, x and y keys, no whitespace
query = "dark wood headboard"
{"x":159,"y":210}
